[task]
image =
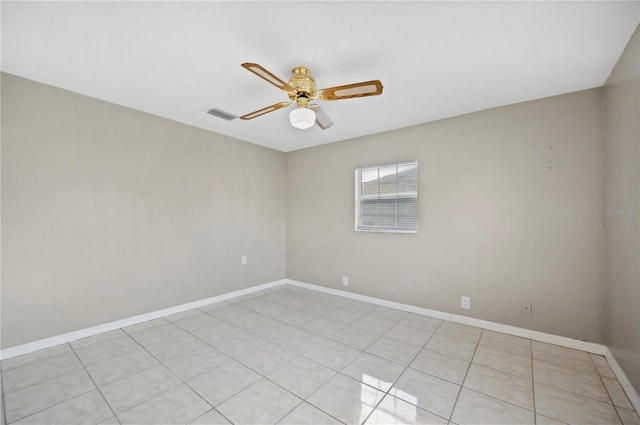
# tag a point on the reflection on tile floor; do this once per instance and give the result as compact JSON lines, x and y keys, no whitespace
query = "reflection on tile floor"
{"x":294,"y":356}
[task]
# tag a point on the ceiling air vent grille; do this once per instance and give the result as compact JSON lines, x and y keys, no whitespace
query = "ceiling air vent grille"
{"x":221,"y":114}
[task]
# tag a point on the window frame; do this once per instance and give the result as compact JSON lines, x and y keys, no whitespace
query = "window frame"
{"x":358,"y":200}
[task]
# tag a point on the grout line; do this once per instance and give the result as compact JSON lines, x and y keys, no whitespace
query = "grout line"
{"x":94,"y":383}
{"x":533,"y":387}
{"x":455,"y":403}
{"x":608,"y":393}
{"x":159,"y":363}
{"x":53,"y":405}
{"x":402,"y":373}
{"x":219,"y":412}
{"x":250,"y":330}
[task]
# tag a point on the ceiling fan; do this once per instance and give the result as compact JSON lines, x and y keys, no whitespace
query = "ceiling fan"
{"x":301,"y":89}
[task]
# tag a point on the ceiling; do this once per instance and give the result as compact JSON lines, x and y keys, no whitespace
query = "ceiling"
{"x":435,"y":59}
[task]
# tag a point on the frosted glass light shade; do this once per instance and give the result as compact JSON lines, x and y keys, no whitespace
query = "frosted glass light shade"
{"x":302,"y":118}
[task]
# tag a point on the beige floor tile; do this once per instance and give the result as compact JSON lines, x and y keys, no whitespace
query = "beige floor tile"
{"x":223,"y":382}
{"x":261,"y":403}
{"x":572,"y":408}
{"x":475,"y":408}
{"x":214,"y":306}
{"x":121,"y":367}
{"x":104,"y":347}
{"x":87,"y":408}
{"x":297,"y":317}
{"x":228,"y":311}
{"x":258,"y":356}
{"x":355,"y":337}
{"x":374,"y":371}
{"x":266,"y":358}
{"x":458,"y":348}
{"x":153,"y":332}
{"x":216,"y":332}
{"x":133,"y":390}
{"x":628,"y":417}
{"x":390,"y":314}
{"x":441,"y":365}
{"x":602,"y":365}
{"x":346,"y":399}
{"x":175,"y":347}
{"x":374,"y":325}
{"x":32,"y":399}
{"x":544,"y":420}
{"x":196,"y":363}
{"x":501,"y":360}
{"x":617,"y":394}
{"x":346,"y":316}
{"x":302,"y":376}
{"x":459,"y":331}
{"x":248,"y":320}
{"x":252,"y":303}
{"x":195,"y":321}
{"x":563,"y":356}
{"x":508,"y":343}
{"x":501,"y":385}
{"x":409,"y":335}
{"x":37,"y":356}
{"x":306,"y":414}
{"x":331,"y":354}
{"x":177,"y":406}
{"x":212,"y":417}
{"x":324,"y":327}
{"x":39,"y":370}
{"x":569,"y":379}
{"x":424,"y":323}
{"x":320,"y":309}
{"x":239,"y":343}
{"x":393,"y":410}
{"x":394,"y":350}
{"x":426,"y":391}
{"x":300,"y":341}
{"x":273,"y":330}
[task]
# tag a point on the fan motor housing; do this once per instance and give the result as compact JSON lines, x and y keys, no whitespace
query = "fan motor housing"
{"x":303,"y":84}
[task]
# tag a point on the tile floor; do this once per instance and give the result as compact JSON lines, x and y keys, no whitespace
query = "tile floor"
{"x":294,"y":356}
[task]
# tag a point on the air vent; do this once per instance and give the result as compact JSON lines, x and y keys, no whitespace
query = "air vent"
{"x":221,"y":114}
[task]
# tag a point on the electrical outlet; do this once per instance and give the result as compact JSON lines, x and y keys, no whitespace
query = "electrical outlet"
{"x":345,"y":281}
{"x":465,"y":302}
{"x":526,"y":309}
{"x":244,"y":259}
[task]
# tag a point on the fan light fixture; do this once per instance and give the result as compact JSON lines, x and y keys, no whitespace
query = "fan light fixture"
{"x":301,"y":89}
{"x":302,"y":118}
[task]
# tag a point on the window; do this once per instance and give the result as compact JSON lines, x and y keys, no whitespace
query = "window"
{"x":387,"y":198}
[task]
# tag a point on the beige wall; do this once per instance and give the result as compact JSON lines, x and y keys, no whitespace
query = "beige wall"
{"x":495,"y":222}
{"x":622,"y":200}
{"x":108,"y":212}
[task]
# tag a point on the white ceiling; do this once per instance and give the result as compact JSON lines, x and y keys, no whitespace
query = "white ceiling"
{"x":435,"y":59}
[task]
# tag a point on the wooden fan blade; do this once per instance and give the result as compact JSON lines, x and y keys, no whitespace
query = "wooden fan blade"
{"x":266,"y":110}
{"x":366,"y":88}
{"x":322,"y":119}
{"x":267,"y":76}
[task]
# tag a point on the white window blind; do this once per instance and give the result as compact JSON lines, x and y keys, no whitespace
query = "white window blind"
{"x":387,"y":198}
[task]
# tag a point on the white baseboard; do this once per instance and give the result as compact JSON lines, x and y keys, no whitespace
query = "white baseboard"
{"x":485,"y":324}
{"x":590,"y":347}
{"x":30,"y":347}
{"x":634,"y":398}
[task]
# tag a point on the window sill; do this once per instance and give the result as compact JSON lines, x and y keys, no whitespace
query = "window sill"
{"x":387,"y":231}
